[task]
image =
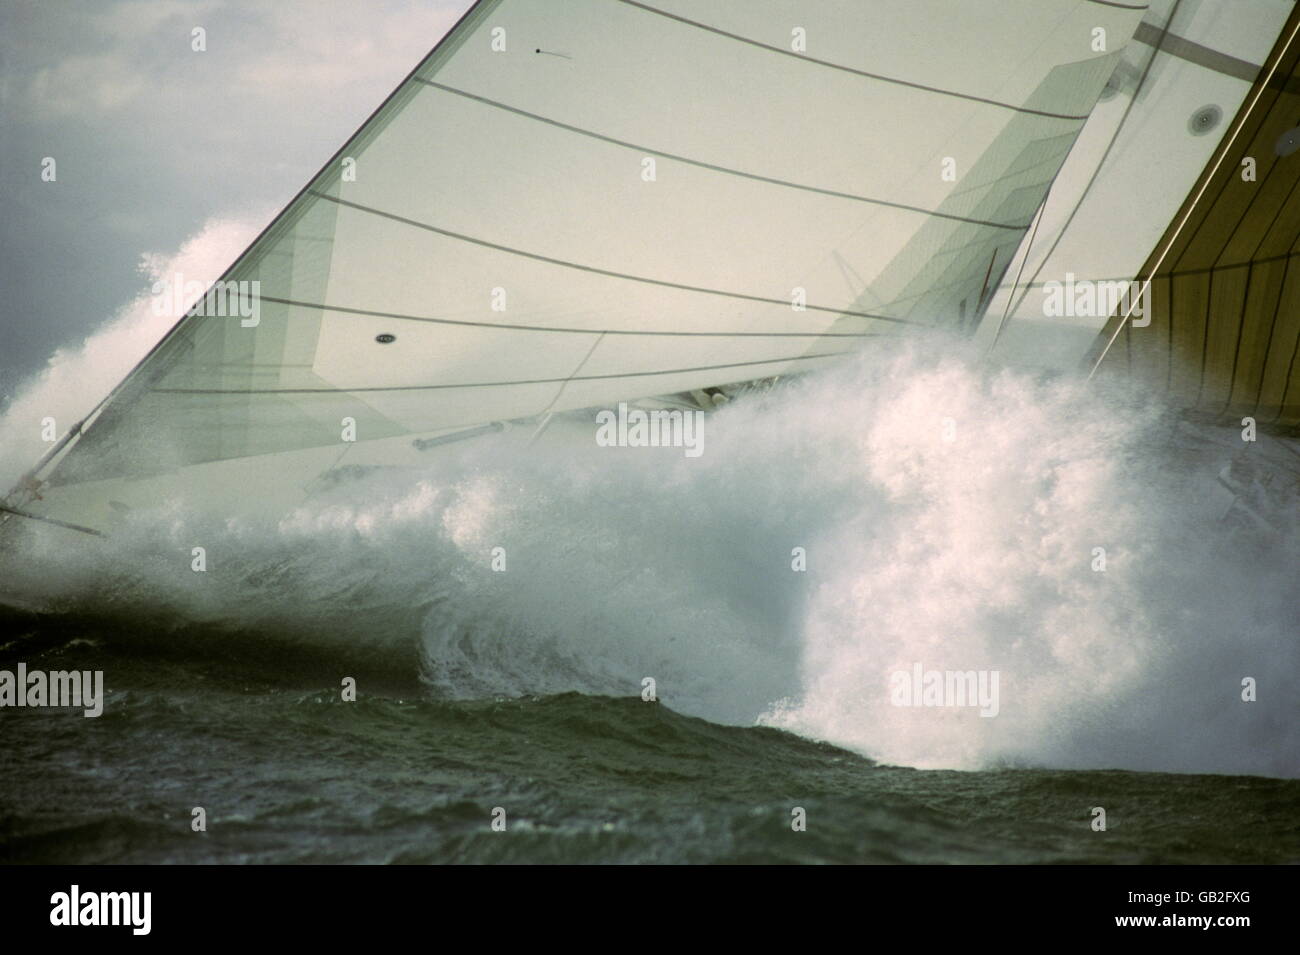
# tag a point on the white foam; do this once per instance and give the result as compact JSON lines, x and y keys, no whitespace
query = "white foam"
{"x":973,"y":553}
{"x":76,"y":378}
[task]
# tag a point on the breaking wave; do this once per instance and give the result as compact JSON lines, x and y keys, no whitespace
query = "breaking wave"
{"x":76,"y":378}
{"x":948,"y":514}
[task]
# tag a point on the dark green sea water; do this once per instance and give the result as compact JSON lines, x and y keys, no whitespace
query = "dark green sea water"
{"x":288,"y":773}
{"x":1140,"y":613}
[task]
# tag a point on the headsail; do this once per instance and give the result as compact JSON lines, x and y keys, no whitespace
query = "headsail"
{"x":1225,"y":323}
{"x":1178,"y":179}
{"x":564,"y":207}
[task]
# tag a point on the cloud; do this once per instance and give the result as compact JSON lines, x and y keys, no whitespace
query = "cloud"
{"x":332,"y":56}
{"x":134,"y":19}
{"x":154,"y":139}
{"x":276,"y":51}
{"x":84,"y":84}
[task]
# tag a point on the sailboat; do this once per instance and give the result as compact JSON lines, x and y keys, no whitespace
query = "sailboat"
{"x":667,"y":203}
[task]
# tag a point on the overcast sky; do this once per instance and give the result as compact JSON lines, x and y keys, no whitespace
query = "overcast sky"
{"x":153,"y":141}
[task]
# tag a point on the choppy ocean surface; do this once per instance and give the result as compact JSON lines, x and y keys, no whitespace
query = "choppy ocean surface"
{"x":901,"y":511}
{"x":288,"y":773}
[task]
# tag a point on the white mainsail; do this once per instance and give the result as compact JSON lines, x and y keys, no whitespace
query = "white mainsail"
{"x":565,"y":207}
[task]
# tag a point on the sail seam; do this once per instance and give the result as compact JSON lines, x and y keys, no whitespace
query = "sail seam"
{"x":18,"y":512}
{"x":1268,"y":345}
{"x":1038,"y":220}
{"x":1295,"y":350}
{"x":1236,"y":349}
{"x":489,"y":384}
{"x":711,"y":166}
{"x":559,"y":393}
{"x":1182,"y":273}
{"x":849,"y":69}
{"x":609,"y":272}
{"x":563,"y":329}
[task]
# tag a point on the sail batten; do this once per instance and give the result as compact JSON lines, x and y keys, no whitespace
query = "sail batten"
{"x":648,"y":280}
{"x":898,"y":81}
{"x":668,"y":333}
{"x":496,"y":384}
{"x":663,"y":154}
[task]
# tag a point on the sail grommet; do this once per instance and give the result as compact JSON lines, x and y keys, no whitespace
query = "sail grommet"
{"x":1204,"y":119}
{"x":385,"y":338}
{"x":1288,"y":142}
